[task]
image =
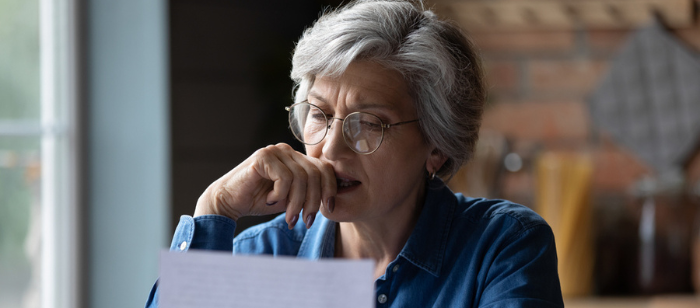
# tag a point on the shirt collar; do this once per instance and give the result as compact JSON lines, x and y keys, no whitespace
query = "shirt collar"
{"x":319,"y":241}
{"x":425,"y":247}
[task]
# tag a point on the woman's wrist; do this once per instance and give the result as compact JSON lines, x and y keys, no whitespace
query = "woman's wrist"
{"x":206,"y":207}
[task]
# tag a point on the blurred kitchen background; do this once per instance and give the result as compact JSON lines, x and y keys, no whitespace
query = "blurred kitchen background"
{"x":116,"y":115}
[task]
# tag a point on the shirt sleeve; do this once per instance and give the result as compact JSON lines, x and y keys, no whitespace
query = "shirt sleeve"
{"x":524,"y":274}
{"x":207,"y":232}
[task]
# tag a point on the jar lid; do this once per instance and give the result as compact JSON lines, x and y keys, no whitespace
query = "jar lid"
{"x":670,"y":181}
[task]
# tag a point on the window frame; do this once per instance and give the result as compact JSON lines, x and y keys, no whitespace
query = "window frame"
{"x":61,"y":201}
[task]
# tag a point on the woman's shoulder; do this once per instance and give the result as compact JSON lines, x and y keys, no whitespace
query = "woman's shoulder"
{"x":509,"y":247}
{"x":494,"y":227}
{"x":496,"y":211}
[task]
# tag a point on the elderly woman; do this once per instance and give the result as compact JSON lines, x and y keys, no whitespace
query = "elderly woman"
{"x":388,"y":101}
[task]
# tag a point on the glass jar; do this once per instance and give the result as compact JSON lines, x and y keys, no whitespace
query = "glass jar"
{"x":664,"y":218}
{"x":695,"y":244}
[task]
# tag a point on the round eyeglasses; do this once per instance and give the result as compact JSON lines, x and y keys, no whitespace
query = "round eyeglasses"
{"x":363,"y":132}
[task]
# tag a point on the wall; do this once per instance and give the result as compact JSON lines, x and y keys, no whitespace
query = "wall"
{"x":540,"y":81}
{"x":127,"y":146}
{"x":230,"y":62}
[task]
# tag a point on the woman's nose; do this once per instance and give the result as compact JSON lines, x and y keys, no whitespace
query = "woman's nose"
{"x":334,"y":146}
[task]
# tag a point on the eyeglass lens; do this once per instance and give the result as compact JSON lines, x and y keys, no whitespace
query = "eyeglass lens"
{"x":362,"y":131}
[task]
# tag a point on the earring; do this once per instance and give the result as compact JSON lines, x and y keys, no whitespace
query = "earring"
{"x":432,"y":176}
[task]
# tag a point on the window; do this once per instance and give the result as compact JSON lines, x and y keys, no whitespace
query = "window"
{"x":38,"y":154}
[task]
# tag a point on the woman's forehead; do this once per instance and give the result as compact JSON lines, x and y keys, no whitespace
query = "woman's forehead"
{"x":363,"y":85}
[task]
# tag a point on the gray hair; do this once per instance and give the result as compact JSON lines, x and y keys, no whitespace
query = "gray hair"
{"x":437,"y":61}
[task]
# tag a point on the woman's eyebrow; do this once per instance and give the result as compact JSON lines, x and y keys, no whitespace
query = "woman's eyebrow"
{"x":317,"y":96}
{"x":361,"y":105}
{"x":372,"y":105}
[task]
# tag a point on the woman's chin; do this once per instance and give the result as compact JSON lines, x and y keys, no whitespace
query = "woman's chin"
{"x":338,"y":215}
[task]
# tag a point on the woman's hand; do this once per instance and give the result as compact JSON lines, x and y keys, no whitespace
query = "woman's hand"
{"x":274,"y":179}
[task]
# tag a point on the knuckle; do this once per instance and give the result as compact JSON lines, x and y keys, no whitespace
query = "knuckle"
{"x":296,"y":169}
{"x":263,"y":152}
{"x":313,"y":175}
{"x":301,"y":181}
{"x":327,"y":167}
{"x":283,"y":146}
{"x":286,"y":175}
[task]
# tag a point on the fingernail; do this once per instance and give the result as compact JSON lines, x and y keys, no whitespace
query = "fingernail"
{"x":293,"y":222}
{"x":331,"y":204}
{"x":271,"y":203}
{"x":310,"y":220}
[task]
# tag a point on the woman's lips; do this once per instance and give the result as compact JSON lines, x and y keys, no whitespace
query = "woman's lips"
{"x":346,"y":183}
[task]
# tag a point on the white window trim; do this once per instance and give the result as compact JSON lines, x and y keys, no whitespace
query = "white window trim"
{"x":61,"y":278}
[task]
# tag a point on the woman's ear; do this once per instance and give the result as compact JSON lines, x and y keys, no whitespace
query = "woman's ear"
{"x":435,"y":161}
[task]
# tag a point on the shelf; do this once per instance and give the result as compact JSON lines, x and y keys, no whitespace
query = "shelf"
{"x":665,"y":301}
{"x":499,"y":15}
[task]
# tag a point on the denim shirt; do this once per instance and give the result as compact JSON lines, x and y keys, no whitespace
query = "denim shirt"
{"x":463,"y":252}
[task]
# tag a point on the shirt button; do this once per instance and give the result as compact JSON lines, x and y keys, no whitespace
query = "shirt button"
{"x":395,"y":269}
{"x":381,"y":298}
{"x":183,"y":245}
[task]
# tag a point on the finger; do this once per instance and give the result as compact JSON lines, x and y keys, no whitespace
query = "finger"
{"x":275,"y":207}
{"x":329,"y":184}
{"x":298,"y":190}
{"x":270,"y":167}
{"x":313,"y":188}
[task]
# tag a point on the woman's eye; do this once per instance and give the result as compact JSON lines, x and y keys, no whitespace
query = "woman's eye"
{"x":318,"y":116}
{"x":370,"y":125}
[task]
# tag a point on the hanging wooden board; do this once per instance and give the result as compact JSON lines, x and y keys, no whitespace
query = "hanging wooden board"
{"x":510,"y":15}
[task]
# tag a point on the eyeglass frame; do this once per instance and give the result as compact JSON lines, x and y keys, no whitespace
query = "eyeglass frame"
{"x":329,"y":122}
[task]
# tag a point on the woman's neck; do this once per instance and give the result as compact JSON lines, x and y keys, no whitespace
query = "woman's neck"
{"x":381,"y":239}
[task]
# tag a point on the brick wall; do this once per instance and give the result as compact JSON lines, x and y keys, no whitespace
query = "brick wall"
{"x":539,"y":82}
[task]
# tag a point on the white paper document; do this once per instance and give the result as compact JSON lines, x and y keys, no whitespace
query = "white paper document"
{"x":214,"y":279}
